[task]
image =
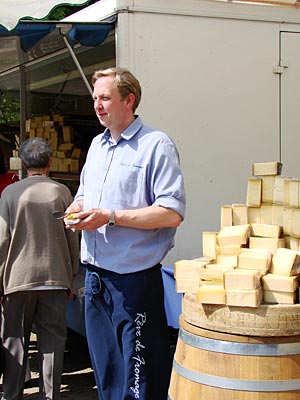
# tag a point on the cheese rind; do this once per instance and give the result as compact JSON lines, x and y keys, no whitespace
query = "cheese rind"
{"x":244,"y":298}
{"x":242,"y":279}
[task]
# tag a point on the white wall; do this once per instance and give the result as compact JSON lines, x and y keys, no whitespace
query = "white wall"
{"x":209,"y":83}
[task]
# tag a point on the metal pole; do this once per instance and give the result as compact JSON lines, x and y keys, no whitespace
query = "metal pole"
{"x":73,"y":55}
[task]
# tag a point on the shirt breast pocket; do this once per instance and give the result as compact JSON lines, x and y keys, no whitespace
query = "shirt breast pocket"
{"x":128,"y":188}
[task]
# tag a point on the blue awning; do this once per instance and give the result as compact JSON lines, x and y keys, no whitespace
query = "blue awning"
{"x":30,"y":33}
{"x":12,"y":11}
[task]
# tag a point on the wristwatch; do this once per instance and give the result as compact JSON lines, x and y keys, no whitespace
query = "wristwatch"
{"x":112,"y":221}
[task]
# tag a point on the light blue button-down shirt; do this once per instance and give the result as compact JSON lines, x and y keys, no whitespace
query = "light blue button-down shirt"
{"x":140,"y":170}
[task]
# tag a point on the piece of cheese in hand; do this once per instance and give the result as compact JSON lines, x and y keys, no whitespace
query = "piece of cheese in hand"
{"x":72,"y":219}
{"x":285,"y":262}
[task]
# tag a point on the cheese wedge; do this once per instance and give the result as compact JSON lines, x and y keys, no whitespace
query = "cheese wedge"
{"x":239,"y":214}
{"x":292,"y":243}
{"x":257,"y":259}
{"x":271,"y":296}
{"x":209,"y":242}
{"x":244,"y":298}
{"x":227,"y":260}
{"x":254,"y":192}
{"x":242,"y":279}
{"x":278,"y":196}
{"x":214,"y":272}
{"x":280,"y":283}
{"x":254,"y":215}
{"x":228,"y":250}
{"x":186,"y":285}
{"x":233,"y":235}
{"x":285,"y":262}
{"x":295,"y":223}
{"x":277,"y":210}
{"x":287,"y":220}
{"x":271,"y":244}
{"x":267,"y":193}
{"x":266,"y":213}
{"x":211,"y":294}
{"x":189,"y":269}
{"x":286,"y":192}
{"x":265,"y":230}
{"x":267,"y":168}
{"x":226,"y":216}
{"x":294,"y":193}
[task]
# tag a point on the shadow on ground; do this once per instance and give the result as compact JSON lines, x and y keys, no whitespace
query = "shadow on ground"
{"x":78,"y":381}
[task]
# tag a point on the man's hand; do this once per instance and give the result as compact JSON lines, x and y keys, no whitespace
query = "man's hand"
{"x":90,"y":220}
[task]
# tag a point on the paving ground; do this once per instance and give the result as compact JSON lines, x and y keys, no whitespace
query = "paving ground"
{"x":77,"y":380}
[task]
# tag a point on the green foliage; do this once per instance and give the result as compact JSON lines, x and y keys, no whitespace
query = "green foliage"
{"x":9,"y":107}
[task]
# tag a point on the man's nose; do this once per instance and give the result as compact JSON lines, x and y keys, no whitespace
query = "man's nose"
{"x":98,"y":103}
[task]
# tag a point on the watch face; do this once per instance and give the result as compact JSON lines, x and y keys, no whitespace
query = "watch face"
{"x":111,"y":223}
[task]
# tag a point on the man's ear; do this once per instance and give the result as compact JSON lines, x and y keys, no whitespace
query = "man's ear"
{"x":130,"y":99}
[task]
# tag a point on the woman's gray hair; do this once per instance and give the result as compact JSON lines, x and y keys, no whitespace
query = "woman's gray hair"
{"x":35,"y":153}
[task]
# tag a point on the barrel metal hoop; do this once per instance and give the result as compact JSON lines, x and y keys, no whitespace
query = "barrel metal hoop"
{"x":237,"y":384}
{"x":244,"y":349}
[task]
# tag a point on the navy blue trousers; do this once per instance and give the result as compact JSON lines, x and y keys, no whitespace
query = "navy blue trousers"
{"x":127,"y":334}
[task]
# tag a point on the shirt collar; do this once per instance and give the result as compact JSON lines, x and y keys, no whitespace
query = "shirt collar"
{"x":127,"y":134}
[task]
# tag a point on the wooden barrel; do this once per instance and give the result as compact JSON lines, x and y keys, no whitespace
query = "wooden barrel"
{"x":212,"y":365}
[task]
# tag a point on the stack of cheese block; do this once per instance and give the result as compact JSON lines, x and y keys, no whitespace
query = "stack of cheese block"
{"x":255,"y":256}
{"x":59,"y":132}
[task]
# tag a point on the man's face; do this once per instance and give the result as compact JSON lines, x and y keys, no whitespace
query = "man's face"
{"x":108,"y":104}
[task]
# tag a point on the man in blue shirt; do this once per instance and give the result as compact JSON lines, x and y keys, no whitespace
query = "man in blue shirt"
{"x":130,"y":201}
